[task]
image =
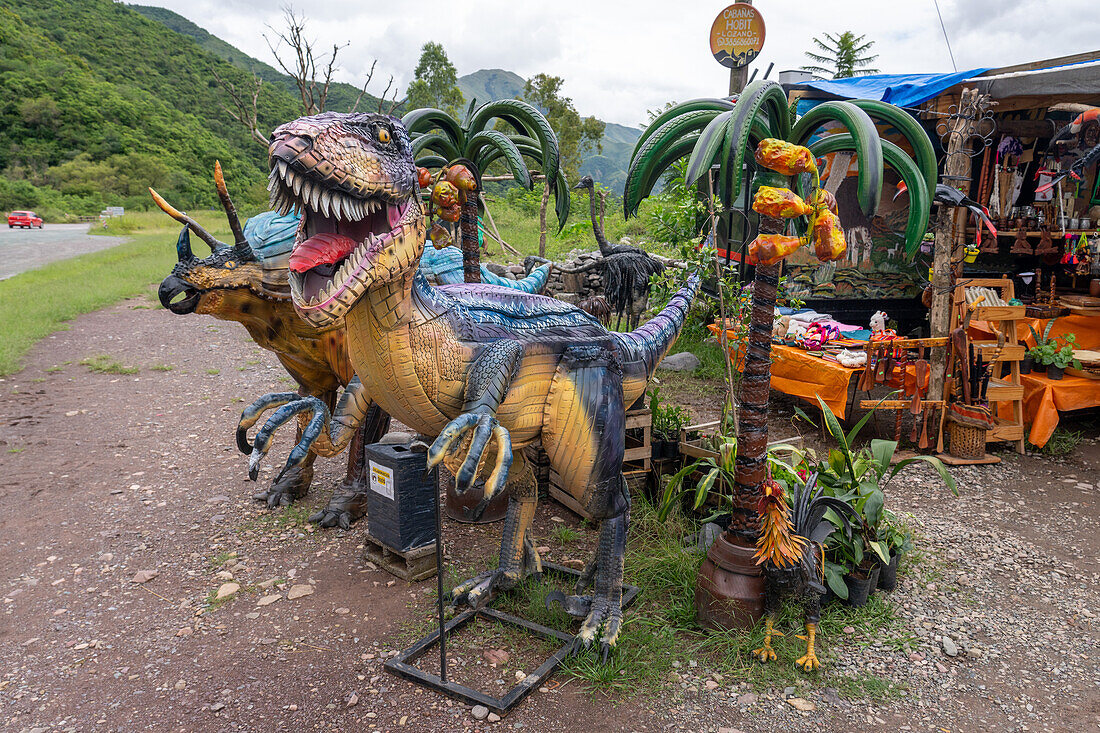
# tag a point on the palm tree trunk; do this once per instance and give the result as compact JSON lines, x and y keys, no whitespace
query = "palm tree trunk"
{"x":752,"y":435}
{"x":542,"y":217}
{"x":471,"y":255}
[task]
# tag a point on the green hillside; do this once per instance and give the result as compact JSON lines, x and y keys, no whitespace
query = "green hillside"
{"x":99,"y":102}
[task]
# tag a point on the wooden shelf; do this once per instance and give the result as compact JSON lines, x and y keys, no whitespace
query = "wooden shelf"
{"x":1011,"y":352}
{"x":999,"y":390}
{"x":1004,"y":388}
{"x":999,"y":312}
{"x":1054,"y":233}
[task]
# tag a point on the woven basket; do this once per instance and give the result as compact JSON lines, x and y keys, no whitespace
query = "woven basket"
{"x":965,"y":441}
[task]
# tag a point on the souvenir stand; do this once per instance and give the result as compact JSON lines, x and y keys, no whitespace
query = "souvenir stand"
{"x":1032,"y":216}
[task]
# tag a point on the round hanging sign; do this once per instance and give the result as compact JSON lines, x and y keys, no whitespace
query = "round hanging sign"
{"x":737,"y":35}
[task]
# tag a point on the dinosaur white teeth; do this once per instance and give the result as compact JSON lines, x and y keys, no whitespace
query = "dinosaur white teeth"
{"x":326,"y":203}
{"x":296,"y":184}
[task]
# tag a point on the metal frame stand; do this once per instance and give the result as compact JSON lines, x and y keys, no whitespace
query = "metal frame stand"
{"x":403,"y":665}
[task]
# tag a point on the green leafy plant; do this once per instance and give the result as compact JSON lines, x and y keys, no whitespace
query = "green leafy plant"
{"x":668,"y":419}
{"x":859,"y":476}
{"x":1063,"y":357}
{"x":717,"y":471}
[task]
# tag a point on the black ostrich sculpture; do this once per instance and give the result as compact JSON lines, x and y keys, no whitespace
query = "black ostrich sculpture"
{"x":626,"y":269}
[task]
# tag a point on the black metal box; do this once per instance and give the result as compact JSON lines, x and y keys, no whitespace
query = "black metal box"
{"x":400,"y":499}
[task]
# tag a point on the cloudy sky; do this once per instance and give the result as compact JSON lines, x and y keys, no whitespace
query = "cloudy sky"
{"x":621,"y":58}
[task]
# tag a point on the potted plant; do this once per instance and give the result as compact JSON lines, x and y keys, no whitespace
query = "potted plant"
{"x":1027,"y":362}
{"x":667,"y":422}
{"x":1042,"y":353}
{"x":1063,"y":358}
{"x":859,"y":478}
{"x":898,"y":542}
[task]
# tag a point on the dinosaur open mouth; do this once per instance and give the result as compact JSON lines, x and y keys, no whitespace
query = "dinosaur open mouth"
{"x":338,"y":236}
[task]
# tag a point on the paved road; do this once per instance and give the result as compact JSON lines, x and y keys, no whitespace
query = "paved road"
{"x":26,"y":249}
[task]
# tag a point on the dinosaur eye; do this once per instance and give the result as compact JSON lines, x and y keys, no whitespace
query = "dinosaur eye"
{"x":383,"y":135}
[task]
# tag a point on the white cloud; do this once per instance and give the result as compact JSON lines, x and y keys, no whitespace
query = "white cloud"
{"x":619,"y":59}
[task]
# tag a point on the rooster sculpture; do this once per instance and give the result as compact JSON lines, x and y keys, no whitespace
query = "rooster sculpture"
{"x":791,"y":549}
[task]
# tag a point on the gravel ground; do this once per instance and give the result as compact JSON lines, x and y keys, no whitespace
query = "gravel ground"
{"x":124,"y":502}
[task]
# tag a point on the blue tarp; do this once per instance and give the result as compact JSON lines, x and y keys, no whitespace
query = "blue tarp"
{"x":903,"y":90}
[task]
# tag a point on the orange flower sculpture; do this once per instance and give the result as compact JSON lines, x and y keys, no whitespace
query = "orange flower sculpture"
{"x":785,"y":158}
{"x":828,"y":237}
{"x":767,"y":249}
{"x":782,"y":203}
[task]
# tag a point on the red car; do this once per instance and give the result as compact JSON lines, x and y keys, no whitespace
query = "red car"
{"x":26,"y":219}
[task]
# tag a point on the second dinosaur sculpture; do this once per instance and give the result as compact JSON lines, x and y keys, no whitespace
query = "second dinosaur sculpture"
{"x":486,"y":369}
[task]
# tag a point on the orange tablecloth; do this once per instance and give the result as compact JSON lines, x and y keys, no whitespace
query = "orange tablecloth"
{"x":1086,"y":328}
{"x":796,"y":372}
{"x":1044,"y":398}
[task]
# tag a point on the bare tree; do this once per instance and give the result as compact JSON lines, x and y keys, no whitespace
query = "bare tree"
{"x":311,"y":72}
{"x":303,"y":66}
{"x":244,"y":105}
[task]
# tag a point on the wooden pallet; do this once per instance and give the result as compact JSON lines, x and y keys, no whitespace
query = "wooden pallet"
{"x":410,"y":565}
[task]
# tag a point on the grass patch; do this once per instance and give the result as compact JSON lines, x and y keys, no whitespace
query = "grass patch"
{"x":162,"y":367}
{"x":661,"y":629}
{"x":564,"y":535}
{"x":105,"y":364}
{"x":213,"y":372}
{"x":221,"y":559}
{"x":39,"y":302}
{"x":1062,"y":442}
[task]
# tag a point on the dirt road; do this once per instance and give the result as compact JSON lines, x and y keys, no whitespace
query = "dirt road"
{"x":124,"y":507}
{"x":26,"y":249}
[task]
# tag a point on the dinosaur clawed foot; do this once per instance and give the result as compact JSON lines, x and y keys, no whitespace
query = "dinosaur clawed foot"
{"x":348,"y":503}
{"x":479,"y":590}
{"x":290,"y":486}
{"x":289,"y":405}
{"x":605,"y":621}
{"x":482,"y":427}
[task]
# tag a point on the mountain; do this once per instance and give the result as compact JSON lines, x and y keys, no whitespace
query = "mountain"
{"x":102,"y":102}
{"x":608,"y":167}
{"x":341,"y":96}
{"x":489,"y":85}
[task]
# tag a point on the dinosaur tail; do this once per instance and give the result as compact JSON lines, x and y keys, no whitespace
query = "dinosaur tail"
{"x":651,"y":342}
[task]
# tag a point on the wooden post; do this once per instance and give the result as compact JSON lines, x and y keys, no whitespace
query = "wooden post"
{"x":739,"y":77}
{"x":948,"y":223}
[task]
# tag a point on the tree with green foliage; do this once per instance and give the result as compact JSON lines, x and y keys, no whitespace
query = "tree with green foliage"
{"x":576,"y":135}
{"x":435,"y":82}
{"x":718,"y":131}
{"x":438,"y":140}
{"x":842,"y":56}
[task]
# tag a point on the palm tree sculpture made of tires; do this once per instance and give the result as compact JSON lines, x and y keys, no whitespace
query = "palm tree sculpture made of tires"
{"x":439,"y":140}
{"x":757,"y":128}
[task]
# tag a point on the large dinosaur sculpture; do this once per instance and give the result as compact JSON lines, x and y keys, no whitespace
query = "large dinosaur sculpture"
{"x":487,"y":370}
{"x":247,"y":283}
